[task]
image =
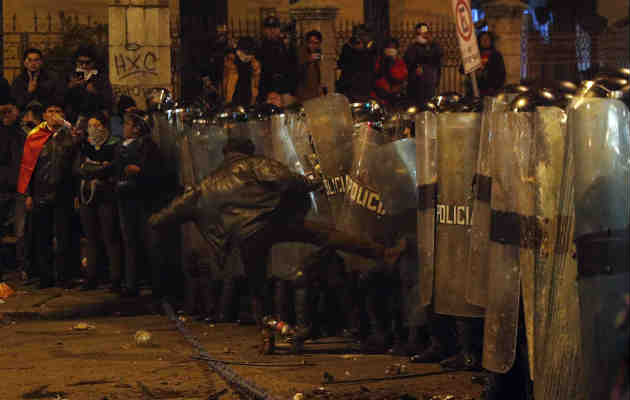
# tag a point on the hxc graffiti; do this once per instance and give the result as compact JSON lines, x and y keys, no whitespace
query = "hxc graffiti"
{"x":137,"y":63}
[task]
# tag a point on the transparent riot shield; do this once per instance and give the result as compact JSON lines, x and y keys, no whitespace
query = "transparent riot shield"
{"x":206,"y":148}
{"x":396,"y":179}
{"x":426,"y":177}
{"x":557,"y":319}
{"x":363,"y":213}
{"x":258,"y":130}
{"x":600,"y":129}
{"x":512,"y":239}
{"x":291,"y":145}
{"x":201,"y":152}
{"x":477,"y":286}
{"x":458,"y":144}
{"x":330,"y":124}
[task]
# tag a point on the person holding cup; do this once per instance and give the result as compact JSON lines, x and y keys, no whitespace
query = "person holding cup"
{"x":46,"y":181}
{"x":309,"y":67}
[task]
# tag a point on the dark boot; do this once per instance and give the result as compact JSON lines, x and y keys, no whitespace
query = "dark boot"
{"x":416,"y":341}
{"x":257,"y":310}
{"x":376,"y":342}
{"x":466,"y":359}
{"x":412,"y":346}
{"x":302,"y":323}
{"x":226,"y":308}
{"x":432,"y":354}
{"x":491,"y":387}
{"x":280,"y":296}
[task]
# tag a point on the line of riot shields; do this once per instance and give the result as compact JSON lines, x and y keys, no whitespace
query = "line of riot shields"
{"x":518,"y":203}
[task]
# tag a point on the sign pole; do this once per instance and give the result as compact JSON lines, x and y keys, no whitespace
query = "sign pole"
{"x":465,"y":29}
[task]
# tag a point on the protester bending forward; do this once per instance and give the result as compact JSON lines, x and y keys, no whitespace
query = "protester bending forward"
{"x":254,"y":202}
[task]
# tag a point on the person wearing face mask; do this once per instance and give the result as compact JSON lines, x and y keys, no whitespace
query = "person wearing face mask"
{"x":241,"y":76}
{"x":33,"y":115}
{"x":11,"y":142}
{"x":424,"y":62}
{"x":309,"y":67}
{"x":98,"y":211}
{"x":46,"y":180}
{"x":391,"y":74}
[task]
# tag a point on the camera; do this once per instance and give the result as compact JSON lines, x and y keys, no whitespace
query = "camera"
{"x":85,"y":74}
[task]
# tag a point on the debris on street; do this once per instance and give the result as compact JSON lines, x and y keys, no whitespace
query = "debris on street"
{"x":83,"y":326}
{"x":143,"y":338}
{"x":6,"y":291}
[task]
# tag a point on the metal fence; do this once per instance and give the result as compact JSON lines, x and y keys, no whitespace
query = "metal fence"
{"x":442,"y":27}
{"x":543,"y":58}
{"x":574,"y":55}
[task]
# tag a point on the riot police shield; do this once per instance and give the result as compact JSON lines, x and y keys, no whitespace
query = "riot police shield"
{"x":426,"y":177}
{"x":291,"y":144}
{"x":206,"y":147}
{"x":477,"y":283}
{"x":557,"y":319}
{"x":512,"y":239}
{"x":380,"y":168}
{"x":363,"y":212}
{"x":600,"y":129}
{"x":255,"y":128}
{"x":458,"y":144}
{"x":330,"y":124}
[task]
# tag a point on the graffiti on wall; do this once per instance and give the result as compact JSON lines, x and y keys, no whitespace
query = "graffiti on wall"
{"x":135,"y":64}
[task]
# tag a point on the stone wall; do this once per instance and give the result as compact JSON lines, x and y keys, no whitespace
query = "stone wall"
{"x":139,"y":47}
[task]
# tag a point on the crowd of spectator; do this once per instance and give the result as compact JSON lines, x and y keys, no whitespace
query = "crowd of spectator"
{"x":75,"y":168}
{"x":283,"y":70}
{"x":77,"y":163}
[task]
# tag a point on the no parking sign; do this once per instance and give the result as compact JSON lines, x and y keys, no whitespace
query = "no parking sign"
{"x":466,"y":35}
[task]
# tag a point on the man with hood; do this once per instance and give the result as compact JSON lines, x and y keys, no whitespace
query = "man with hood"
{"x":356,"y":63}
{"x":424,"y":63}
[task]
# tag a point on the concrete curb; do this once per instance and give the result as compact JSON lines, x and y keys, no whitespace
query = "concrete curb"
{"x":96,"y":307}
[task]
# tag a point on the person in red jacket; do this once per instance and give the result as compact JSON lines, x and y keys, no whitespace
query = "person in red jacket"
{"x":391,"y":74}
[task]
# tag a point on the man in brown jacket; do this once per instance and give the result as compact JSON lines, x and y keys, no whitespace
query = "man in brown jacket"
{"x":309,"y":67}
{"x":253,"y":202}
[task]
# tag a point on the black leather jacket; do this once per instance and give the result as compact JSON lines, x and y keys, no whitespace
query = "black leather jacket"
{"x":241,"y":197}
{"x":146,"y":185}
{"x":97,"y":179}
{"x":52,"y":181}
{"x":11,"y":146}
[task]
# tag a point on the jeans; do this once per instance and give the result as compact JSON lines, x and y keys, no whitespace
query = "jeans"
{"x":49,"y":220}
{"x":23,"y":235}
{"x":100,"y":224}
{"x":139,"y":243}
